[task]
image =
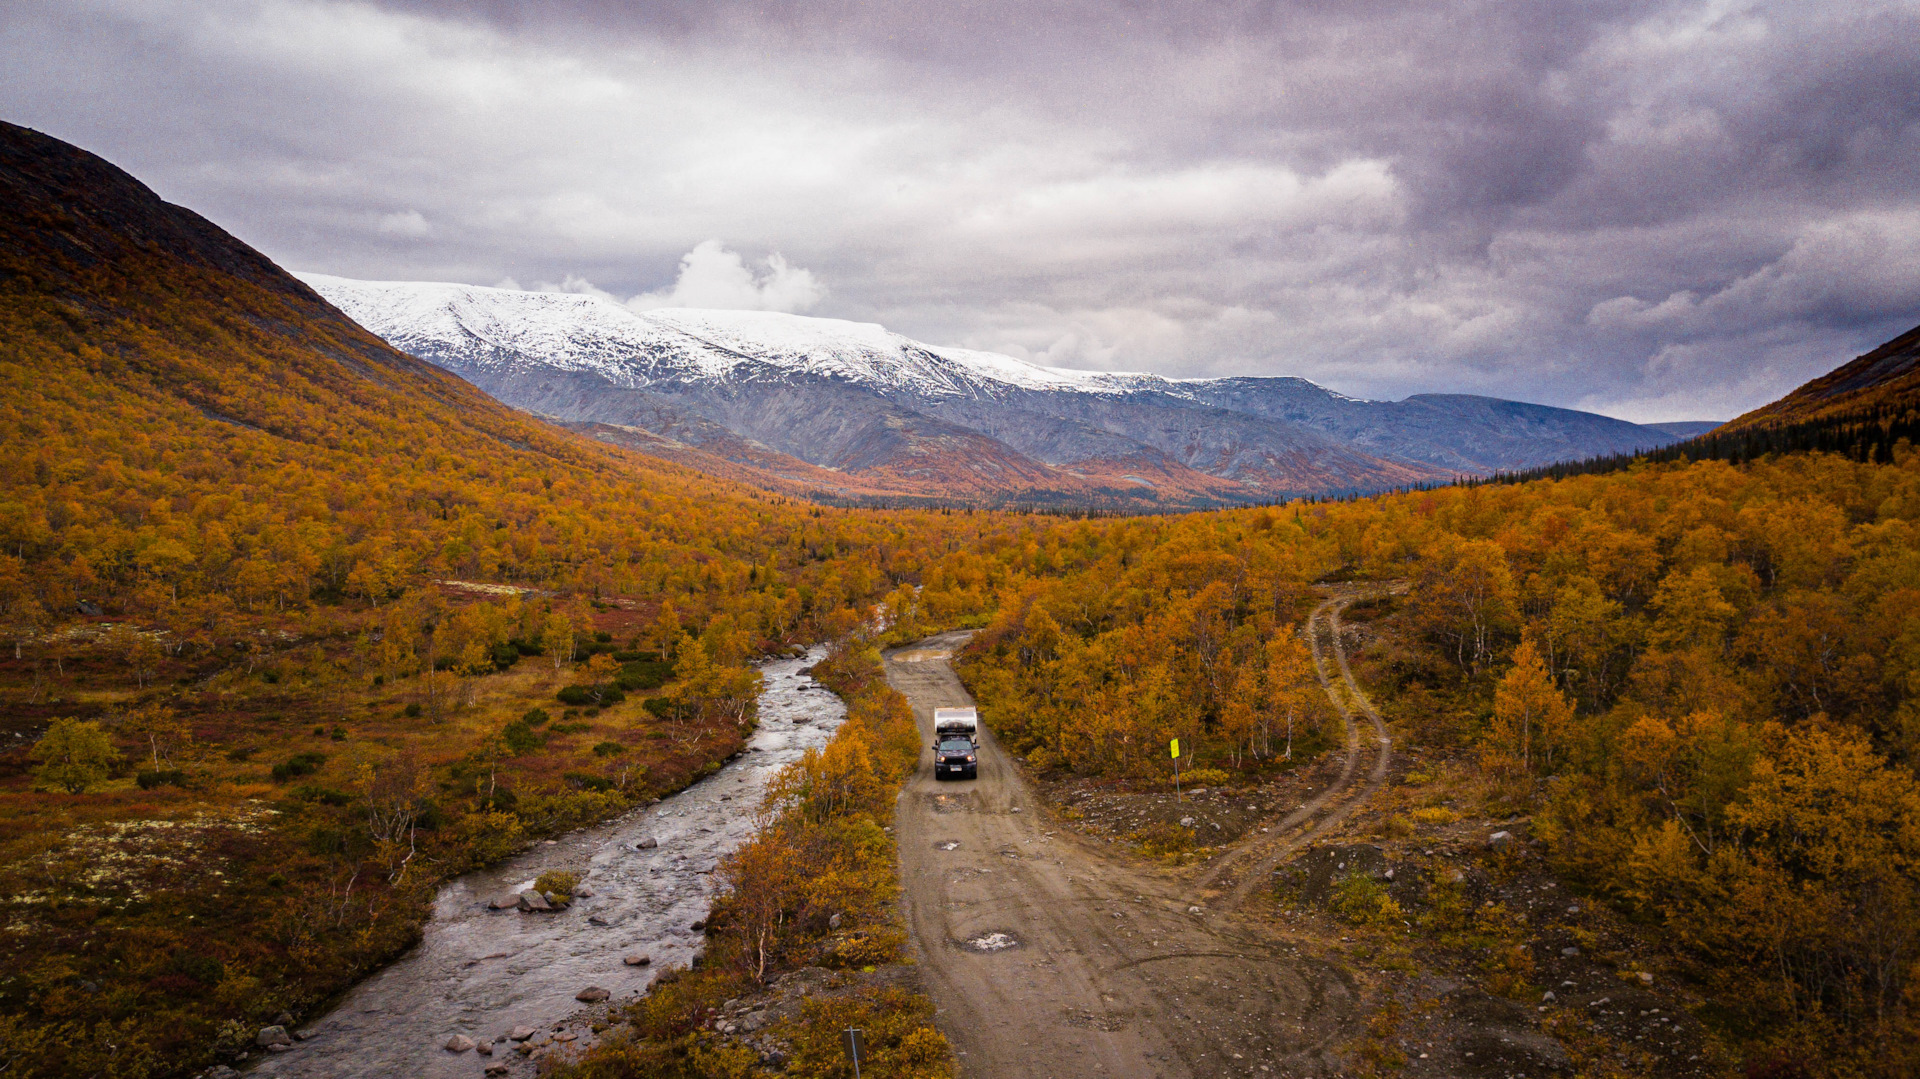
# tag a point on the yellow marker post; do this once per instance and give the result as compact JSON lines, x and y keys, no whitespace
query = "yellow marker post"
{"x":1176,"y":769}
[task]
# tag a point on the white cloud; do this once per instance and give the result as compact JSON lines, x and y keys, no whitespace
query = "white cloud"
{"x":714,"y":277}
{"x":409,"y":223}
{"x":576,"y":284}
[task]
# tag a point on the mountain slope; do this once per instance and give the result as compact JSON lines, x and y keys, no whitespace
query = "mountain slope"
{"x":1884,"y":382}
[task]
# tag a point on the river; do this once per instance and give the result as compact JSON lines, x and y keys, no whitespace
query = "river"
{"x":482,"y":973}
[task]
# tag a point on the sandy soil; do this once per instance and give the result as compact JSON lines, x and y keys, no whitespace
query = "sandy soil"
{"x":1048,"y":957}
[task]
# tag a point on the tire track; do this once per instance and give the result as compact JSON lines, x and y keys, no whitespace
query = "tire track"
{"x":1254,"y":863}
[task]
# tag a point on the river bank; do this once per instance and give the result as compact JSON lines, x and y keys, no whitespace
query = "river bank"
{"x":483,"y":973}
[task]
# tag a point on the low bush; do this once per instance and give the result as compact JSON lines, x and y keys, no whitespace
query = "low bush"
{"x":1205,"y":777}
{"x":163,"y":778}
{"x":558,"y":882}
{"x":300,"y":764}
{"x":313,"y":792}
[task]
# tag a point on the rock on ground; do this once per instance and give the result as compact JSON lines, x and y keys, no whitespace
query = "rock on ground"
{"x":592,"y":994}
{"x":459,"y":1043}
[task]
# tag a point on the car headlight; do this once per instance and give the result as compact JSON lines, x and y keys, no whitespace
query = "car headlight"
{"x":969,"y":759}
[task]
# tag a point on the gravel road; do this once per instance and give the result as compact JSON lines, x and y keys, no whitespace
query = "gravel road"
{"x":1049,"y":957}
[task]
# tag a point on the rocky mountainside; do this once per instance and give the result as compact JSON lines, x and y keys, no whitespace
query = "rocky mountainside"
{"x":852,"y":410}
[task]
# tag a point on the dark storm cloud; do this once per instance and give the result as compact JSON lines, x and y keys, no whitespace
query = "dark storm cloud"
{"x":1656,"y":209}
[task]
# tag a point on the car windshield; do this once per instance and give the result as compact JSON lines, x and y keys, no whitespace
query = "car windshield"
{"x":956,"y":746}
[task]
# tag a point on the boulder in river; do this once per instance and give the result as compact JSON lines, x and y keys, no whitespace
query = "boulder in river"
{"x":498,"y":1067}
{"x":592,"y":994}
{"x":503,"y":902}
{"x":637,"y":959}
{"x":485,"y":1049}
{"x":533,"y":901}
{"x":272,"y":1036}
{"x":520,"y":1034}
{"x":459,"y":1043}
{"x":645,"y":843}
{"x":581,"y":891}
{"x":699,"y":926}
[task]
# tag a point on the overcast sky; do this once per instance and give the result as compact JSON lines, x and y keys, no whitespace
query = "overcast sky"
{"x":1654,"y":210}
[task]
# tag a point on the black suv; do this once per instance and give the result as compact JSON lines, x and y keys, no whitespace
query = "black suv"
{"x":955,"y":758}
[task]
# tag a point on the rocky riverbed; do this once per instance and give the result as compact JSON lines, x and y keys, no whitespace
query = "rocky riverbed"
{"x":506,"y":979}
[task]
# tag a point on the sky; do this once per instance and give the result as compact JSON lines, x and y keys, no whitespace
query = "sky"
{"x":1659,"y":210}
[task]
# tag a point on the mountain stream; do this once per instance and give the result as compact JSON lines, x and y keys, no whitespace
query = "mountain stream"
{"x":482,"y":973}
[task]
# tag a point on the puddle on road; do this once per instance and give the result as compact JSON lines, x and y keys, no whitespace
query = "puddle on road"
{"x":482,"y":973}
{"x":992,"y":942}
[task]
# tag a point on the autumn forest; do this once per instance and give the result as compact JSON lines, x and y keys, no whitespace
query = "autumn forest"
{"x":298,"y":628}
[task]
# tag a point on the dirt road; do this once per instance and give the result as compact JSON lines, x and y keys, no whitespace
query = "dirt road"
{"x":1048,"y":958}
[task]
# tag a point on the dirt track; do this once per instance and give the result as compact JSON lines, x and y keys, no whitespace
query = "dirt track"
{"x":1243,"y":869}
{"x":1109,"y":973}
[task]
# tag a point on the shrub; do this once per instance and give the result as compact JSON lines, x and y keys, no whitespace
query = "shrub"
{"x":412,"y":711}
{"x":557,"y":881}
{"x":1362,"y":901}
{"x":637,"y":675}
{"x":300,"y":764}
{"x":575,"y":695}
{"x":534,"y":717}
{"x":1205,"y":777}
{"x":162,"y":778}
{"x":73,"y":755}
{"x":608,"y":749}
{"x":313,"y":792}
{"x":521,"y":739}
{"x":1162,"y":838}
{"x":1435,"y":815}
{"x":586,"y":781}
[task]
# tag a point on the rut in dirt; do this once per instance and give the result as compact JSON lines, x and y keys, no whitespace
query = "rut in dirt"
{"x":1244,"y":869}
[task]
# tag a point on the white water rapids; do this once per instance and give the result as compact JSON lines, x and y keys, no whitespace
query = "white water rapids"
{"x":482,"y":973}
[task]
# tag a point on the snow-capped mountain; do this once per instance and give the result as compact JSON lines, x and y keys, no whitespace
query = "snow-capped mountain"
{"x":854,"y":409}
{"x":576,"y":332}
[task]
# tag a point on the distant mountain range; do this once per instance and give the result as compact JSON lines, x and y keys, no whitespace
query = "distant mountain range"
{"x":850,"y":411}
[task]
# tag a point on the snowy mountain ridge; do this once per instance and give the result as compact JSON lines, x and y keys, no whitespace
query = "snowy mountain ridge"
{"x":637,"y":349}
{"x":791,"y":395}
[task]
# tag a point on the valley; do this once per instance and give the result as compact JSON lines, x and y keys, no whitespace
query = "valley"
{"x":338,"y":608}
